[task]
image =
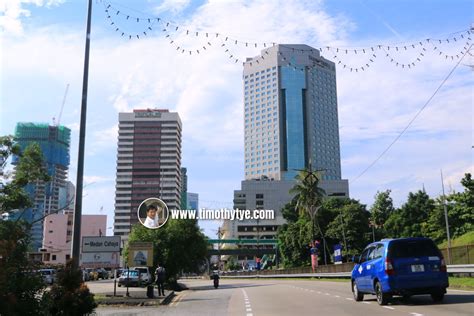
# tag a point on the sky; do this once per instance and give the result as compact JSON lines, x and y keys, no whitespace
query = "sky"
{"x":42,"y":50}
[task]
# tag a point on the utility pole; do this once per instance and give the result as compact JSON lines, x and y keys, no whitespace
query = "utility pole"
{"x":76,"y":240}
{"x":446,"y":220}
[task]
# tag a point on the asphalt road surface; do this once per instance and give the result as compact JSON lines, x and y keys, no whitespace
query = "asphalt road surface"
{"x":248,"y":297}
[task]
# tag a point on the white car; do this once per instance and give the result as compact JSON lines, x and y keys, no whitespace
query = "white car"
{"x":145,"y":275}
{"x":49,"y":275}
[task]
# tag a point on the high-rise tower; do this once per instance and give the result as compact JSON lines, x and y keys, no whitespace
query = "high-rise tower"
{"x":290,"y":113}
{"x":49,"y":197}
{"x":148,"y":163}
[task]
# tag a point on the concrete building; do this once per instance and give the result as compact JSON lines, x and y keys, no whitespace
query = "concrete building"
{"x":290,"y":113}
{"x":184,"y":188}
{"x":290,"y":123}
{"x":49,"y":197}
{"x":148,"y":163}
{"x":58,"y":230}
{"x":193,"y":201}
{"x":269,"y":194}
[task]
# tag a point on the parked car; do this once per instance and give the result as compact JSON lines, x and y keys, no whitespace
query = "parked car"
{"x":102,"y":273}
{"x":49,"y":275}
{"x":129,"y":277}
{"x":93,"y":275}
{"x":405,"y":266}
{"x":145,"y":274}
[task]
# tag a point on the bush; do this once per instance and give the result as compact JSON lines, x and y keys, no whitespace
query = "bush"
{"x":70,"y":296}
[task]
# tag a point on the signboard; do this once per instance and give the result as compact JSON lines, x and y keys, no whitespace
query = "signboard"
{"x":100,"y":260}
{"x":337,"y":254}
{"x":140,"y":254}
{"x":101,"y":244}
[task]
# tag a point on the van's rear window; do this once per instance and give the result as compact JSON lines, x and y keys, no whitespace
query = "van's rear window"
{"x":412,"y":248}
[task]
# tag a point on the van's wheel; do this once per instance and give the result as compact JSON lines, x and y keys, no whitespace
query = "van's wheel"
{"x":382,"y":298}
{"x":358,"y":296}
{"x":437,"y":296}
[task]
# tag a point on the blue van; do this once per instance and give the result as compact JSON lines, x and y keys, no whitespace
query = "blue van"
{"x":405,"y":266}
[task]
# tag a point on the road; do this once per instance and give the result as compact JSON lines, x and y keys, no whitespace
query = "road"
{"x":249,"y":297}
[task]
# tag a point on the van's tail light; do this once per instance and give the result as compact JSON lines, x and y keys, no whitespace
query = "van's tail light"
{"x":443,"y":265}
{"x":389,"y":267}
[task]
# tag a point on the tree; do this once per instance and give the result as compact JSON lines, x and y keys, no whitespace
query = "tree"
{"x":293,"y":242}
{"x":461,"y":211}
{"x":309,"y":195}
{"x":69,"y":296}
{"x":30,"y":169}
{"x":20,"y":285}
{"x":408,"y":220}
{"x":179,"y":246}
{"x":350,"y":226}
{"x":380,"y":212}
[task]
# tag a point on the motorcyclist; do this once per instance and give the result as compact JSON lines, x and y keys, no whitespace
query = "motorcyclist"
{"x":215,"y":277}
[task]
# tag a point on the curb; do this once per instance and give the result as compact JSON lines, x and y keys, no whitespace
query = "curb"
{"x":131,"y":301}
{"x":167,"y":298}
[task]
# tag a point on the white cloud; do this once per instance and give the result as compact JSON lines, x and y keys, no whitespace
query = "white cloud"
{"x":13,"y":11}
{"x":173,"y":6}
{"x":206,"y":90}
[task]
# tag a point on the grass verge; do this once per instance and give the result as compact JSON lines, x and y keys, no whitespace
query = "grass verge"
{"x":464,"y":283}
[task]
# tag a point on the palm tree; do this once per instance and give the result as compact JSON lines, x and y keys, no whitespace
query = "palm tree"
{"x":309,"y":195}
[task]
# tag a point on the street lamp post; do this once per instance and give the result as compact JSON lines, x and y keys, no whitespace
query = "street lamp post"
{"x":76,"y":242}
{"x":446,"y":219}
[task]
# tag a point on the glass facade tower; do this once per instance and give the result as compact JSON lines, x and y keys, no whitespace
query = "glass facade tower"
{"x":290,"y":113}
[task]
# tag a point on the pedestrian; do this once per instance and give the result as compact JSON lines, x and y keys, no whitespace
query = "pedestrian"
{"x":160,"y":276}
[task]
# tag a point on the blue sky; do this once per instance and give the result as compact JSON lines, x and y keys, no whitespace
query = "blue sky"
{"x":42,"y":50}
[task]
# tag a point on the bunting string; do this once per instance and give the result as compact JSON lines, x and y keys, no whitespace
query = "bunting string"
{"x":191,"y":42}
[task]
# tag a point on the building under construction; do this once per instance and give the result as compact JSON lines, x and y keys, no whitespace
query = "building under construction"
{"x":49,"y":197}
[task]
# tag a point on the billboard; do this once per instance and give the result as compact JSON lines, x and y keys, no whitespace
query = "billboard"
{"x":100,"y":260}
{"x":140,"y":254}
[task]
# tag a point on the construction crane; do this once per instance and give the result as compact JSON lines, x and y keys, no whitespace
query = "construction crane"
{"x":62,"y":107}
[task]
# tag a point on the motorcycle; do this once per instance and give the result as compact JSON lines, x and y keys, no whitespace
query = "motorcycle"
{"x":215,"y":277}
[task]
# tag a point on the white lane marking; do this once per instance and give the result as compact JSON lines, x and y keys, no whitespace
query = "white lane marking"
{"x":366,"y":302}
{"x":319,"y":292}
{"x":336,"y":296}
{"x":349,"y":299}
{"x":327,"y":294}
{"x":416,"y":314}
{"x":248,"y":308}
{"x":388,"y":307}
{"x":311,"y":291}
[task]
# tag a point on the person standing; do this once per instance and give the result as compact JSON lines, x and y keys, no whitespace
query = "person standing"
{"x":160,"y":276}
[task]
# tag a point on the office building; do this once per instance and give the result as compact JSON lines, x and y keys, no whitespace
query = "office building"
{"x":290,"y":113}
{"x":193,"y":201}
{"x":184,"y":189}
{"x":148,"y":163}
{"x":290,"y":123}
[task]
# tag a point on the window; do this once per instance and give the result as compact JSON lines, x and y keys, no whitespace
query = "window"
{"x":377,"y":253}
{"x":53,"y":257}
{"x":365,"y":254}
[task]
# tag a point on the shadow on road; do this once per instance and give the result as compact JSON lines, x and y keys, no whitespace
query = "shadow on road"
{"x":421,"y":300}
